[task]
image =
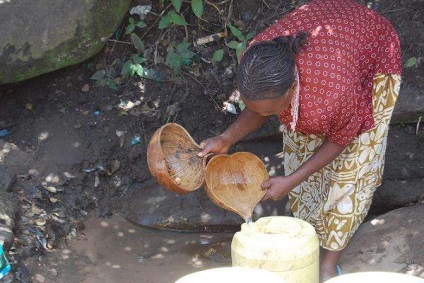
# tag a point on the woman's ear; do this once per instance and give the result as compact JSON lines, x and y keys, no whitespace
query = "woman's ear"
{"x":294,"y":85}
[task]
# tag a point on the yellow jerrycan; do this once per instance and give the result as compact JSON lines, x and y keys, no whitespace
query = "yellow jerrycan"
{"x":374,"y":277}
{"x":284,"y":245}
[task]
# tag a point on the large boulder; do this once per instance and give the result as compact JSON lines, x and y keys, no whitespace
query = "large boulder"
{"x":42,"y":36}
{"x":392,"y":242}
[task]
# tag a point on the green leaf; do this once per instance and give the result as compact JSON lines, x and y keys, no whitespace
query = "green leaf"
{"x":177,"y":4}
{"x":130,"y":29}
{"x":410,"y":62}
{"x":233,"y":44}
{"x":100,"y":74}
{"x":138,"y":59}
{"x":112,"y":84}
{"x":139,"y":70}
{"x":131,"y":20}
{"x":165,"y":22}
{"x":237,"y":33}
{"x":241,"y":104}
{"x":174,"y":61}
{"x":250,"y":35}
{"x":182,"y":47}
{"x":177,"y":19}
{"x":197,"y":7}
{"x":218,"y":55}
{"x":239,"y":50}
{"x":138,"y":43}
{"x":141,"y":24}
{"x":126,"y":68}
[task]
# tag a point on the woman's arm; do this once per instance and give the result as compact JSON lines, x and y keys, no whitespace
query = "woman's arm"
{"x":278,"y":187}
{"x":247,"y":122}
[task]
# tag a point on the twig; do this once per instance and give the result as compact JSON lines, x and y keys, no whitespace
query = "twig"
{"x":395,"y":10}
{"x":144,"y":133}
{"x":230,"y":11}
{"x":118,"y":41}
{"x":266,"y":4}
{"x":213,"y":5}
{"x":418,"y":125}
{"x":157,"y":20}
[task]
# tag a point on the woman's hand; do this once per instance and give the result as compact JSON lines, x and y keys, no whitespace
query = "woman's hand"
{"x":215,"y":145}
{"x":278,"y":187}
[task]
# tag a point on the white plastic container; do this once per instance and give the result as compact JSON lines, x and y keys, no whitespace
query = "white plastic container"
{"x":284,"y":245}
{"x":231,"y":275}
{"x":375,"y":277}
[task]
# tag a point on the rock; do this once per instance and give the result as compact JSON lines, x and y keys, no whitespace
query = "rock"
{"x":7,"y":209}
{"x":13,"y":159}
{"x":39,"y":278}
{"x":398,"y":193}
{"x":156,"y":207}
{"x":404,"y":154}
{"x":6,"y":179}
{"x":6,"y":237}
{"x":43,"y":36}
{"x":410,"y":104}
{"x":391,"y":242}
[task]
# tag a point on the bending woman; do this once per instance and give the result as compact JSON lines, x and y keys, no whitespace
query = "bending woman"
{"x":331,"y":72}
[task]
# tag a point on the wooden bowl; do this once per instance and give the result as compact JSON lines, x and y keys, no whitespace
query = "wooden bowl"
{"x":233,"y":182}
{"x":173,"y":161}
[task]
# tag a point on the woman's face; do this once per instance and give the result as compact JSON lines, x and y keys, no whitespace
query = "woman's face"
{"x":271,"y":106}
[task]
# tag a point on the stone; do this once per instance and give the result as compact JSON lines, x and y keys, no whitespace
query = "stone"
{"x":391,"y":242}
{"x":404,"y":154}
{"x":6,"y":178}
{"x":154,"y":206}
{"x":43,"y":36}
{"x":39,"y":278}
{"x":410,"y":104}
{"x":7,"y":209}
{"x":15,"y":161}
{"x":6,"y":237}
{"x":394,"y":194}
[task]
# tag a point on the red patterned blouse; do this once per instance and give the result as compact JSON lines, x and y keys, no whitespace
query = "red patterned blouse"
{"x":348,"y":45}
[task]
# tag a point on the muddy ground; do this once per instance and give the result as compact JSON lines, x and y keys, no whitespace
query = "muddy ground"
{"x":82,"y":143}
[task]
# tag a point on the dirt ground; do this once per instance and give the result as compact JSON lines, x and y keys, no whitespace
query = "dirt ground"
{"x":83,"y":144}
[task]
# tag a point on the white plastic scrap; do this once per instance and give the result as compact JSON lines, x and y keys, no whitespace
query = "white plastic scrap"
{"x":141,"y":11}
{"x":229,"y":108}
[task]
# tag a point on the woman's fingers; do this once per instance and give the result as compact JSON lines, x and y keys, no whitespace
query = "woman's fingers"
{"x":206,"y":147}
{"x":266,"y":185}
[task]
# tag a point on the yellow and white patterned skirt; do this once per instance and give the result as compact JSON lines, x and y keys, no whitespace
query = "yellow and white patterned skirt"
{"x":336,"y":199}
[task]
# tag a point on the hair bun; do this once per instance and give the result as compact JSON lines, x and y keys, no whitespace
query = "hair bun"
{"x":299,"y":41}
{"x":295,"y":43}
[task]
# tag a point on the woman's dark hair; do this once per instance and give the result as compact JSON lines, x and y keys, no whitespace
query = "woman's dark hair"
{"x":266,"y":69}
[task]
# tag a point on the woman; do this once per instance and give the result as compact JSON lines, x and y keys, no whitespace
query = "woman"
{"x":331,"y":71}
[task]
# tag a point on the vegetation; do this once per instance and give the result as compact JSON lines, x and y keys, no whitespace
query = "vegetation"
{"x":175,"y":47}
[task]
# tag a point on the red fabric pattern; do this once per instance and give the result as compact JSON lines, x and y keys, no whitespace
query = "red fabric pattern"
{"x":348,"y":44}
